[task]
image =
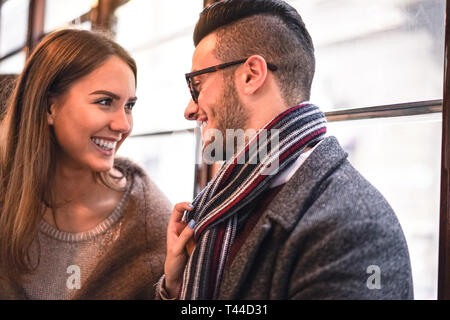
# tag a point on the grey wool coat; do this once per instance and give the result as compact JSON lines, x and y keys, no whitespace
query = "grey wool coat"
{"x":328,"y":234}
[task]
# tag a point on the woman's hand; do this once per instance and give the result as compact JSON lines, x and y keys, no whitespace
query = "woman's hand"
{"x":178,"y":235}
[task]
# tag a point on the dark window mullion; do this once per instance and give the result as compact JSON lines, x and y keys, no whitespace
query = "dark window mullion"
{"x":444,"y":227}
{"x":11,"y":53}
{"x":36,"y":18}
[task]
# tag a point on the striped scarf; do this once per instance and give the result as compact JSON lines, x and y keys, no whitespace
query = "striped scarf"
{"x":219,"y":209}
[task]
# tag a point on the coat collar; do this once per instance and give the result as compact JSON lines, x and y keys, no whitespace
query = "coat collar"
{"x":302,"y":186}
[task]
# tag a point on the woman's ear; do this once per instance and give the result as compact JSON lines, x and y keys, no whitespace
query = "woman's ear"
{"x":51,"y":108}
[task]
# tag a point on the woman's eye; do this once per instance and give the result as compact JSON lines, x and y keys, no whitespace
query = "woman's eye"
{"x":130,"y":106}
{"x":104,"y":102}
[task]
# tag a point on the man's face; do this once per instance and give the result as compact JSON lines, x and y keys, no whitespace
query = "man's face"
{"x":219,"y":107}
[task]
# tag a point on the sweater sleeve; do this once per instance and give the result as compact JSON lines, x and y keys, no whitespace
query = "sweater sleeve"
{"x":154,"y":211}
{"x":157,"y":218}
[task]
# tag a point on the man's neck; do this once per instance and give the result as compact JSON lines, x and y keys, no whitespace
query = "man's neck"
{"x":260,"y":117}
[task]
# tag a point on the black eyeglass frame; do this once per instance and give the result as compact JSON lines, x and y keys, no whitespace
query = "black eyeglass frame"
{"x":189,"y":76}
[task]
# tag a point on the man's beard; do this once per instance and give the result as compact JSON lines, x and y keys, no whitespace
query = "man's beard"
{"x":230,"y":114}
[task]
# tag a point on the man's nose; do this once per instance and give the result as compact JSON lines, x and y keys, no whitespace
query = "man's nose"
{"x":191,"y":112}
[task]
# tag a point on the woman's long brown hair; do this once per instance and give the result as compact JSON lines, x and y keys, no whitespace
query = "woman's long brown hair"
{"x":27,"y":143}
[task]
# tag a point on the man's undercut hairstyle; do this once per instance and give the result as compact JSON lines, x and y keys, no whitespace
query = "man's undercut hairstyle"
{"x":269,"y":28}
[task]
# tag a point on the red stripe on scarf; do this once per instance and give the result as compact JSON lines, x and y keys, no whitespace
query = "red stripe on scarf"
{"x":247,"y":147}
{"x":220,"y":213}
{"x":258,"y":180}
{"x":284,"y":114}
{"x":303,"y":141}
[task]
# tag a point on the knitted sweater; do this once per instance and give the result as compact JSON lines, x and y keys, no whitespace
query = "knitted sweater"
{"x":122,"y":258}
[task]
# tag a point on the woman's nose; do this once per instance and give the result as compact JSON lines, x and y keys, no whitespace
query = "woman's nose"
{"x":121,"y":122}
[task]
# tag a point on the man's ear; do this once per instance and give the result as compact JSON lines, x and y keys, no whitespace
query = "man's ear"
{"x":254,"y":74}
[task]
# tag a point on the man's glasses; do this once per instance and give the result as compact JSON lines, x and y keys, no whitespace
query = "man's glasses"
{"x":190,"y":76}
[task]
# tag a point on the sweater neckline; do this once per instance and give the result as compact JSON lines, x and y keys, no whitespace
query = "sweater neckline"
{"x":101,"y":228}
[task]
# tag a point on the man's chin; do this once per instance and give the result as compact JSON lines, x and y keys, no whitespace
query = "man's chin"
{"x":205,"y":144}
{"x":213,"y":152}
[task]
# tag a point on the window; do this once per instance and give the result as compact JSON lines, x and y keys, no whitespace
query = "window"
{"x":386,"y":53}
{"x":59,"y":13}
{"x":169,"y":159}
{"x":378,"y":53}
{"x":160,"y":40}
{"x":163,"y":142}
{"x":13,"y":64}
{"x":163,"y":52}
{"x":14,"y":16}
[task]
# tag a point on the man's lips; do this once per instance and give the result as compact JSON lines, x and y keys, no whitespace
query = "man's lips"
{"x":202,"y":123}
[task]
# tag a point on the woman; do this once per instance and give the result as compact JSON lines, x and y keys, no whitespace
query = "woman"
{"x":75,"y":222}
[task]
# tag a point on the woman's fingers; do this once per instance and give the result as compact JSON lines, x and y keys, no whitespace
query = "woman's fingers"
{"x":184,"y":237}
{"x":178,"y":231}
{"x":176,"y":225}
{"x":178,"y":235}
{"x":178,"y":211}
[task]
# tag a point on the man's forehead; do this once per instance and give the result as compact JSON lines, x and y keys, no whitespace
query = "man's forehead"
{"x":204,"y":53}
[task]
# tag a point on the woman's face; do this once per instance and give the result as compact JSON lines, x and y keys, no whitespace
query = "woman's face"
{"x":93,"y":118}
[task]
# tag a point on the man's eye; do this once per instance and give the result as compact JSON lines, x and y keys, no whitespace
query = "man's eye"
{"x":196,"y":85}
{"x":104,"y":102}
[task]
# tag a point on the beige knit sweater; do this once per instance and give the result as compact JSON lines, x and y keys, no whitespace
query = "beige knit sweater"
{"x":122,"y":258}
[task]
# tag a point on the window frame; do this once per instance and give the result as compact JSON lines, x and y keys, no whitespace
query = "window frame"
{"x":444,"y":229}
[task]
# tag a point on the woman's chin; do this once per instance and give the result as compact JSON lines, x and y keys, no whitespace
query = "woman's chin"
{"x":102,"y":166}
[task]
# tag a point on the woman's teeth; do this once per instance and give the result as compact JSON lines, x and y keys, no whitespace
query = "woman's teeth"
{"x":105,"y":144}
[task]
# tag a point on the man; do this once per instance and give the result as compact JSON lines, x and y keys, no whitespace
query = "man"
{"x":311,"y":227}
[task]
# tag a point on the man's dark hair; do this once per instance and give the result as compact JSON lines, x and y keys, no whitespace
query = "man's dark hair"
{"x":7,"y":83}
{"x":270,"y":28}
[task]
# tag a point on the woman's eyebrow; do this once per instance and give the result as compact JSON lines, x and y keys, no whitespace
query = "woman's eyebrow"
{"x":112,"y":95}
{"x":108,"y":93}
